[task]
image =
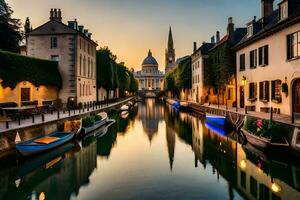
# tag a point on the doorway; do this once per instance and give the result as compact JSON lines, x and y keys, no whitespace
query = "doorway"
{"x":242,"y":97}
{"x":296,"y":100}
{"x":25,"y":94}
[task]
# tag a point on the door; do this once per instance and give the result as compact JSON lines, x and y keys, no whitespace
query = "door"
{"x":296,"y":96}
{"x":25,"y":94}
{"x":242,"y":97}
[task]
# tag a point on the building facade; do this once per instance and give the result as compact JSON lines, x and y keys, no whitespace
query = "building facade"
{"x":170,"y":54}
{"x":199,"y":59}
{"x":150,"y":78}
{"x":72,"y":47}
{"x":267,"y":58}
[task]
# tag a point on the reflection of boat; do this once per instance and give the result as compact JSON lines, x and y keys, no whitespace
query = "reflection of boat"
{"x":295,"y":143}
{"x":216,"y":119}
{"x":124,"y":114}
{"x":97,"y":124}
{"x":45,"y":159}
{"x":216,"y":129}
{"x":42,"y":144}
{"x":102,"y":130}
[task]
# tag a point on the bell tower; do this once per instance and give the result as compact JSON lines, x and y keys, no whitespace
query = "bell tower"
{"x":170,"y":53}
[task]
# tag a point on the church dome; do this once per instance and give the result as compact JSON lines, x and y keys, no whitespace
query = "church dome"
{"x":150,"y":60}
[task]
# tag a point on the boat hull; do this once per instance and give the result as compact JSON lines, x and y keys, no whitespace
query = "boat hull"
{"x":216,"y":119}
{"x":30,"y":148}
{"x":94,"y":127}
{"x":256,"y":141}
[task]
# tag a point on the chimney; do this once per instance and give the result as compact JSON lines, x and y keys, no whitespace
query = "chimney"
{"x":81,"y":28}
{"x":90,"y":35}
{"x":266,"y":8}
{"x":51,"y":14}
{"x":230,"y":26}
{"x":86,"y":31}
{"x":55,"y":13}
{"x":59,"y":18}
{"x":195,"y":47}
{"x":218,"y":36}
{"x":212,"y":39}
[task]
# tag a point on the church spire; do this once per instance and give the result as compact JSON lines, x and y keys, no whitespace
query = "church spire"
{"x":170,"y":40}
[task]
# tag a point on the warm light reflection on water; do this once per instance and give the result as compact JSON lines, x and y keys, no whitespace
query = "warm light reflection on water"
{"x":155,"y":153}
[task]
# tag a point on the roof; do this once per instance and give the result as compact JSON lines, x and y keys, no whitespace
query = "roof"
{"x":58,"y":28}
{"x":238,"y":34}
{"x":273,"y":25}
{"x":204,"y":48}
{"x":150,"y":60}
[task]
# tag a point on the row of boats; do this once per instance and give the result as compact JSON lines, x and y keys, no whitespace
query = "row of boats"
{"x":72,"y":129}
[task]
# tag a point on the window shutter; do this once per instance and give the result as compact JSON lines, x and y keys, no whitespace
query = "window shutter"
{"x":273,"y":90}
{"x":267,"y":88}
{"x":251,"y":59}
{"x":255,"y":90}
{"x":260,"y":55}
{"x":266,"y":52}
{"x":289,"y":46}
{"x":261,"y":90}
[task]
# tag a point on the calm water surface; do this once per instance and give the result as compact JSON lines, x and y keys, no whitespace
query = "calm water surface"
{"x":154,"y":153}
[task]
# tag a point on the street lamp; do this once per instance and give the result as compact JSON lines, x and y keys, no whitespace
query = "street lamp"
{"x":244,"y":81}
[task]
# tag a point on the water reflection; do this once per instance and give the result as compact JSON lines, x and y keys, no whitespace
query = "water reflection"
{"x":186,"y":160}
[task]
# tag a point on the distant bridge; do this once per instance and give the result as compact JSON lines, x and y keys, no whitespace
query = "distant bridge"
{"x":150,"y":93}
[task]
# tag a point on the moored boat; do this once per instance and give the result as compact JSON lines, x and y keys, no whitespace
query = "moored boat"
{"x":295,"y":143}
{"x":49,"y":142}
{"x":216,"y":119}
{"x":216,"y":129}
{"x":124,"y":108}
{"x":255,"y":140}
{"x":97,"y":124}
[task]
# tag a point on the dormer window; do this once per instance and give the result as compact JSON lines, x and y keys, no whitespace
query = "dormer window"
{"x":250,"y":30}
{"x":284,"y":10}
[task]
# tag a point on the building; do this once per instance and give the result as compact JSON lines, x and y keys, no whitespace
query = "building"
{"x":219,"y":75}
{"x":150,"y":78}
{"x":25,"y":79}
{"x":170,"y":54}
{"x":199,"y":59}
{"x":71,"y":45}
{"x":268,"y":72}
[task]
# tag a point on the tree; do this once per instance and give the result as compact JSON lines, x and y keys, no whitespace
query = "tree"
{"x":10,"y":34}
{"x":123,"y":78}
{"x":105,"y":69}
{"x":184,"y":74}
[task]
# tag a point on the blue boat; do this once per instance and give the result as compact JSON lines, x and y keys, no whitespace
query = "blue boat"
{"x":176,"y":105}
{"x":216,"y":129}
{"x":216,"y":119}
{"x":44,"y":143}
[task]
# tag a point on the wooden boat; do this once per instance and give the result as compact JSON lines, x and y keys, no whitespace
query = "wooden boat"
{"x":46,"y":143}
{"x":255,"y":140}
{"x":97,"y":125}
{"x":295,"y":142}
{"x":216,"y":119}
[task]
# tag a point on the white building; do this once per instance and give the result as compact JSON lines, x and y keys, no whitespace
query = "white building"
{"x":199,"y":57}
{"x":71,"y":45}
{"x":150,"y":78}
{"x":268,"y":72}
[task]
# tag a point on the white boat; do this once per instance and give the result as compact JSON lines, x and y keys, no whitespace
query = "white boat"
{"x":124,"y":108}
{"x":97,"y":124}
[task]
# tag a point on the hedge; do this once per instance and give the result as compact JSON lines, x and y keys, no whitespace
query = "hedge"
{"x":15,"y":68}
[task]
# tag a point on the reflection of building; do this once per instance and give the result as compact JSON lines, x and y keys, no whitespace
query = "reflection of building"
{"x":149,"y":78}
{"x":197,"y":132}
{"x":171,"y":140}
{"x":255,"y":181}
{"x":71,"y":45}
{"x":150,"y":114}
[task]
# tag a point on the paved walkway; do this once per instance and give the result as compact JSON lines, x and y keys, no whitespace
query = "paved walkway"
{"x":286,"y":119}
{"x":25,"y":123}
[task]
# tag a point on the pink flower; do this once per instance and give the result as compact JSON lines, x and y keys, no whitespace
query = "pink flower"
{"x":259,"y":123}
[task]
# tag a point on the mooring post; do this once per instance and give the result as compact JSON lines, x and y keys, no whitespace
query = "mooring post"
{"x":74,"y":111}
{"x":69,"y":112}
{"x":43,"y":117}
{"x":7,"y":125}
{"x":19,"y":121}
{"x":58,"y":114}
{"x":33,"y":119}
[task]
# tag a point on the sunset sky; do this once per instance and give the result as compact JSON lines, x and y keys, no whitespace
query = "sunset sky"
{"x":131,"y":27}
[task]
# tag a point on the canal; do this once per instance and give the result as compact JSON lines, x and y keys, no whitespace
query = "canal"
{"x":154,"y":152}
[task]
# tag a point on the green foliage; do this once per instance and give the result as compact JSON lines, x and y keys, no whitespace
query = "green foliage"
{"x":88,"y":122}
{"x":220,"y":67}
{"x":15,"y":68}
{"x":267,"y":129}
{"x":97,"y":118}
{"x":134,"y":84}
{"x":123,"y":78}
{"x":10,"y":34}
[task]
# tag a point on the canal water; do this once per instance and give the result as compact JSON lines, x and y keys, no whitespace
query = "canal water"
{"x":154,"y":152}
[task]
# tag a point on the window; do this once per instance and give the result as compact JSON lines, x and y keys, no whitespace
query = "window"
{"x":83,"y":86}
{"x":80,"y":43}
{"x":80,"y":89}
{"x":252,"y":91}
{"x":253,"y":58}
{"x":283,"y":11}
{"x":53,"y":42}
{"x":250,"y":30}
{"x":293,"y":45}
{"x":263,"y":55}
{"x":242,"y":62}
{"x":264,"y":91}
{"x":253,"y":187}
{"x":84,"y":66}
{"x":276,"y":91}
{"x":55,"y":58}
{"x":80,"y":64}
{"x":243,"y":179}
{"x":229,"y":93}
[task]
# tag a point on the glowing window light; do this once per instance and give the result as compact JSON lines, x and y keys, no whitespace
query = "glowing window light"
{"x":275,"y":187}
{"x":243,"y":164}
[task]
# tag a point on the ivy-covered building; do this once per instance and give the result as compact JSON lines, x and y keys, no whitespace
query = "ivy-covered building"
{"x":25,"y":78}
{"x":219,"y":73}
{"x":72,"y":46}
